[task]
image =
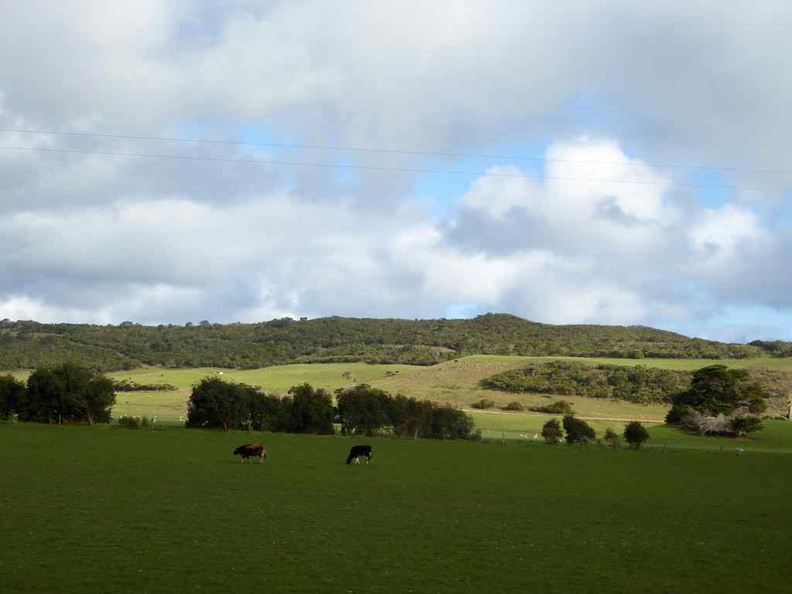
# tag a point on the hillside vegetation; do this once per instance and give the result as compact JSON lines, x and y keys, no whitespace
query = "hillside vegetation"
{"x":635,"y":384}
{"x":418,"y":342}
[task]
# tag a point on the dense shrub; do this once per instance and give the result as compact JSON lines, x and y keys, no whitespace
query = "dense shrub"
{"x":744,"y":425}
{"x":483,"y":404}
{"x":128,"y":385}
{"x":578,"y":431}
{"x":560,"y":407}
{"x":635,"y":434}
{"x":515,"y":406}
{"x":551,"y":432}
{"x":677,"y":413}
{"x":130,"y":422}
{"x":612,"y":439}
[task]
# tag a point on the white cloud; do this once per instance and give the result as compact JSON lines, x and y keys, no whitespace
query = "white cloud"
{"x":106,"y":238}
{"x":721,"y":231}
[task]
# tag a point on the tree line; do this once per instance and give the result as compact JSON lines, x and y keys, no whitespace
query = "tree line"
{"x":28,"y":344}
{"x":360,"y":410}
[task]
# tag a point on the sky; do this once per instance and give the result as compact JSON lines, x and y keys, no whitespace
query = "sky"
{"x":576,"y":161}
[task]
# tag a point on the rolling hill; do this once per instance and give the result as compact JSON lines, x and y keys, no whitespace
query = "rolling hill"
{"x":27,"y":344}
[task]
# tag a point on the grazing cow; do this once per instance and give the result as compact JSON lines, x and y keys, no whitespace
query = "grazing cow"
{"x":251,"y":449}
{"x":357,"y":452}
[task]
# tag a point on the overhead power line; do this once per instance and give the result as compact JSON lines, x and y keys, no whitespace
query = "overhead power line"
{"x":395,"y":151}
{"x":384,"y":169}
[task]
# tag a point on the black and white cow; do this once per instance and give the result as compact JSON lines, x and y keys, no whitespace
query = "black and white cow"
{"x":357,"y":452}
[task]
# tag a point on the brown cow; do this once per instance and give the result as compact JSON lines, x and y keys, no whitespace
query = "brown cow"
{"x":251,"y":449}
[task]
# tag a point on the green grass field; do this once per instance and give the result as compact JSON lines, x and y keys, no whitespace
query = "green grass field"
{"x":100,"y":509}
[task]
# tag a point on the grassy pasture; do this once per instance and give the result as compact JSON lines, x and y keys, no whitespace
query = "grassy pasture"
{"x":112,"y":510}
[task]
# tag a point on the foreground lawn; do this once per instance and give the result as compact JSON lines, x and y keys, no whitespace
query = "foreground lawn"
{"x":112,"y":510}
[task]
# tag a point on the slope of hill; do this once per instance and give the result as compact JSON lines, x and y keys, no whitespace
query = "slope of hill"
{"x":334,"y":339}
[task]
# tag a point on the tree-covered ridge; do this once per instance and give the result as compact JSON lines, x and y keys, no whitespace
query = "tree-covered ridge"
{"x":635,"y":384}
{"x":29,"y":344}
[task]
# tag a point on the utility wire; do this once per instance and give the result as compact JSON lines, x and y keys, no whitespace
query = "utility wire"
{"x":385,"y":169}
{"x":392,"y":151}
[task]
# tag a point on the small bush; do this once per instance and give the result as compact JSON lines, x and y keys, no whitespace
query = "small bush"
{"x":612,"y":439}
{"x":551,"y":432}
{"x":560,"y":407}
{"x":514,"y":406}
{"x":744,"y":425}
{"x":483,"y":403}
{"x":635,"y":434}
{"x":130,"y":422}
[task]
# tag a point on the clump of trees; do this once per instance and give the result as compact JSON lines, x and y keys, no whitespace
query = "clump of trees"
{"x":361,"y":410}
{"x":62,"y":393}
{"x":577,"y":431}
{"x":720,"y":401}
{"x":218,"y":404}
{"x":638,"y":383}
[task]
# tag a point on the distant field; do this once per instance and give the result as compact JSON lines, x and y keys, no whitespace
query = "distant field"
{"x":279,"y":378}
{"x":100,"y":509}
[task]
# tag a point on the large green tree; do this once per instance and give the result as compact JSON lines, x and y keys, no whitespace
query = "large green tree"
{"x":363,"y":409}
{"x":215,"y":403}
{"x":716,"y":389}
{"x":310,"y":410}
